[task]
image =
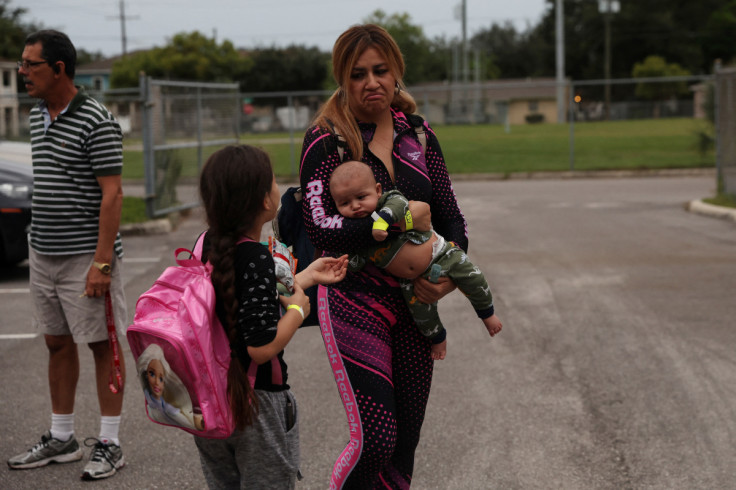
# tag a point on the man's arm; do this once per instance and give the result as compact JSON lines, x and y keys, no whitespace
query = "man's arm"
{"x":110,"y":208}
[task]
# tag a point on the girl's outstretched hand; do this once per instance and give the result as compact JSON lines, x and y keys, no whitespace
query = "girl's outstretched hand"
{"x":324,"y":270}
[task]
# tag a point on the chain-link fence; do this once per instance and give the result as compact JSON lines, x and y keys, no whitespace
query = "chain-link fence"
{"x":725,"y":114}
{"x":172,"y":127}
{"x":182,"y":124}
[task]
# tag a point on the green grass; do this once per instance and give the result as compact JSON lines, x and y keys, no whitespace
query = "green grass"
{"x":650,"y":144}
{"x":726,"y":200}
{"x":616,"y":145}
{"x":134,"y":210}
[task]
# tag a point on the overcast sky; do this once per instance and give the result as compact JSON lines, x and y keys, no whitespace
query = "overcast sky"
{"x":95,"y":26}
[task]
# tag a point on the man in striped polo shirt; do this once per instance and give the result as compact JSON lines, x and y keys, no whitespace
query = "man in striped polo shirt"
{"x":75,"y":250}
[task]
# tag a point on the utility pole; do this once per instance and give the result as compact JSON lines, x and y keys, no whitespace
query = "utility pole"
{"x":607,"y":7}
{"x":465,"y":41}
{"x":123,"y":18}
{"x":560,"y":58}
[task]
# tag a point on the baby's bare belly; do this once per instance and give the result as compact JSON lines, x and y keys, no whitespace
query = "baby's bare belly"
{"x":412,"y":260}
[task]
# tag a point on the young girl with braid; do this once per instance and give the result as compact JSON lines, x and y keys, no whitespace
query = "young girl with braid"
{"x":381,"y":362}
{"x":240,"y":195}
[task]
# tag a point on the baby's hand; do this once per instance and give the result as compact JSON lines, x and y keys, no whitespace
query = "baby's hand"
{"x":438,"y":351}
{"x":380,"y":235}
{"x":493,"y":325}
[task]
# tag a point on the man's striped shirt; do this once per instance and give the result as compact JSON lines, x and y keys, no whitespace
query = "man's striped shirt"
{"x":82,"y":143}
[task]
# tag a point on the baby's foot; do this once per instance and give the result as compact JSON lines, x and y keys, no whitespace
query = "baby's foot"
{"x":493,"y":325}
{"x":438,"y":351}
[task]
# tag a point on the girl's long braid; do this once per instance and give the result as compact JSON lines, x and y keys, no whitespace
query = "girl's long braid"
{"x":233,"y":185}
{"x":243,"y":402}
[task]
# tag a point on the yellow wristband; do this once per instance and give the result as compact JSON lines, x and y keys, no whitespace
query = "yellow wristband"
{"x":408,"y":220}
{"x":378,"y":222}
{"x":297,"y":308}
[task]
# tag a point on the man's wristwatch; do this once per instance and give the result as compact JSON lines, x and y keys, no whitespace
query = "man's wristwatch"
{"x":104,"y":268}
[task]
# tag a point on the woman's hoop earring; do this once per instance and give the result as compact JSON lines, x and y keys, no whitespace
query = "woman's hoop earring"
{"x":397,"y":89}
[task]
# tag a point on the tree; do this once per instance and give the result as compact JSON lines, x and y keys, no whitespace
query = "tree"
{"x":187,"y":56}
{"x":424,"y":61}
{"x":720,"y":31}
{"x":292,"y":68}
{"x":13,"y":30}
{"x":656,"y":66}
{"x":507,"y":51}
{"x":673,"y":29}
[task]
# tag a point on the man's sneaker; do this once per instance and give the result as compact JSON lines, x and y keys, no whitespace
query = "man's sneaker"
{"x":106,"y":459}
{"x":49,"y":450}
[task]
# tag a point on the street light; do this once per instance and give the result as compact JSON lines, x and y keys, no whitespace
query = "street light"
{"x":608,"y":7}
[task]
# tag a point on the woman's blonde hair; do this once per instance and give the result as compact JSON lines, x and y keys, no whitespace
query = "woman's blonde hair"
{"x":348,"y":48}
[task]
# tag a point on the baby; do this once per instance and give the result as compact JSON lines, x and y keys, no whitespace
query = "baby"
{"x":411,"y":254}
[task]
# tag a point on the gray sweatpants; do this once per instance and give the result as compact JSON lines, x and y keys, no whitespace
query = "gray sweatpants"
{"x":264,"y":455}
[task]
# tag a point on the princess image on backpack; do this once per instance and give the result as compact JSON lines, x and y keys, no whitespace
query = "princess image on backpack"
{"x":167,"y":399}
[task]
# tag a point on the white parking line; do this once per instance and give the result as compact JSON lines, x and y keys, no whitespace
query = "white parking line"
{"x":16,"y":336}
{"x":15,"y":291}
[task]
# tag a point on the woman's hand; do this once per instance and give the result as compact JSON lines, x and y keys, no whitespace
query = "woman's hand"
{"x":421,"y":216}
{"x":324,"y":270}
{"x":428,"y":292}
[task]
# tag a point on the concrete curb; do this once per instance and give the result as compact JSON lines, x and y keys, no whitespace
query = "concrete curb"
{"x":699,"y":207}
{"x":153,"y":227}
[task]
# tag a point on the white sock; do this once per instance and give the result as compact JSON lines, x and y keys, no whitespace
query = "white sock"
{"x":62,"y":426}
{"x":109,"y":428}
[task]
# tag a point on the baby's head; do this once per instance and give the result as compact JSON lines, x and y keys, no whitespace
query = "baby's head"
{"x":354,"y":189}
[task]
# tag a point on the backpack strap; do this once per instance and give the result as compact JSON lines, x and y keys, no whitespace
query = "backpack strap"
{"x":277,"y":377}
{"x":199,"y":244}
{"x":421,"y":136}
{"x":341,"y":142}
{"x":417,"y":123}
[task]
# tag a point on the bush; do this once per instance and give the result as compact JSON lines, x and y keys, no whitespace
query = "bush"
{"x":534,"y":118}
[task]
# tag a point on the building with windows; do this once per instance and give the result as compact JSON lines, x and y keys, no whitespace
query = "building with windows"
{"x":9,"y":99}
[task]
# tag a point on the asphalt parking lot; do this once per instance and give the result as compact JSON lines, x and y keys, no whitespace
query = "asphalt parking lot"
{"x":615,"y":368}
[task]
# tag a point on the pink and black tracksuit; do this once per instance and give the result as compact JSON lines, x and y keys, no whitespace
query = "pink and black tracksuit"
{"x":381,"y":362}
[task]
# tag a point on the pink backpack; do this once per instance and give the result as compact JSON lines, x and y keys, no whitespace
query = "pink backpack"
{"x":181,"y":350}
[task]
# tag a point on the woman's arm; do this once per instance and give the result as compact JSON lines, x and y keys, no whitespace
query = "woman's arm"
{"x":447,"y":218}
{"x":326,"y":228}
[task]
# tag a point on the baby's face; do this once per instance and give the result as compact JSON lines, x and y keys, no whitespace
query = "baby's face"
{"x":355,"y":198}
{"x":155,"y":375}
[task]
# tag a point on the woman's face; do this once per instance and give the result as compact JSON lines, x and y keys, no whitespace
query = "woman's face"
{"x":370,"y":87}
{"x":155,"y":376}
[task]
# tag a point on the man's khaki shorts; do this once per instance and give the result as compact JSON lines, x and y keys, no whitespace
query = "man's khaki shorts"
{"x":57,"y":285}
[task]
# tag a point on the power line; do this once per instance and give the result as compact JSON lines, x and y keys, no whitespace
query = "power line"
{"x":123,"y":18}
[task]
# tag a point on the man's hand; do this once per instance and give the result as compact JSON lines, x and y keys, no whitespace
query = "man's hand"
{"x":97,"y":283}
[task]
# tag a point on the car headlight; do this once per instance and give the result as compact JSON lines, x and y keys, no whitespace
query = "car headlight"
{"x":16,"y":191}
